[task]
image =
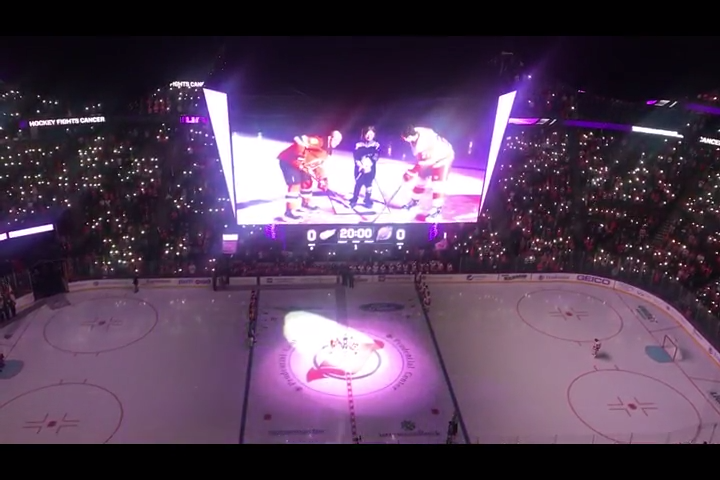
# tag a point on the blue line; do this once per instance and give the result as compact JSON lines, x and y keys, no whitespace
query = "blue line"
{"x":248,"y":376}
{"x":463,"y":428}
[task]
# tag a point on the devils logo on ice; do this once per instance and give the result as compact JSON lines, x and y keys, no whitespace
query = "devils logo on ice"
{"x":344,"y":357}
{"x":371,"y":362}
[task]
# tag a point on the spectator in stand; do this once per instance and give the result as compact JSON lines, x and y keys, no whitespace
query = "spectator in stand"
{"x":150,"y":196}
{"x":125,"y":183}
{"x":627,"y":199}
{"x":535,"y":183}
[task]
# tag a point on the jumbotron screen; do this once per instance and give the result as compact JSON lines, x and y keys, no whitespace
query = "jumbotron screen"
{"x":418,"y":175}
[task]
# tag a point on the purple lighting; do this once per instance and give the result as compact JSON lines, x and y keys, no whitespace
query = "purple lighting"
{"x":271,"y":232}
{"x":433,"y":231}
{"x":651,"y":102}
{"x":193,"y":120}
{"x":523,"y":121}
{"x":599,"y":125}
{"x":703,"y":108}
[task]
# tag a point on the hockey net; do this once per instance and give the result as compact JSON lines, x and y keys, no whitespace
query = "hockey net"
{"x":670,"y":345}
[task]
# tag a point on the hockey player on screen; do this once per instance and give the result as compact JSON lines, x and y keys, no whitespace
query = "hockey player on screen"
{"x":434,"y":156}
{"x":596,"y":348}
{"x":366,"y":155}
{"x":302,"y":165}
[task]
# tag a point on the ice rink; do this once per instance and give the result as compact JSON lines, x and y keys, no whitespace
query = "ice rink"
{"x":171,"y":366}
{"x":160,"y":366}
{"x":519,"y":356}
{"x":394,"y":391}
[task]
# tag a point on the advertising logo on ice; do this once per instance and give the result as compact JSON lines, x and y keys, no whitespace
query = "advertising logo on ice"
{"x":409,"y":428}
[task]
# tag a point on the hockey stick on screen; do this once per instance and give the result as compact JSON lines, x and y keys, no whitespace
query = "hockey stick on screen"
{"x":386,"y":201}
{"x":336,"y":197}
{"x":392,"y":197}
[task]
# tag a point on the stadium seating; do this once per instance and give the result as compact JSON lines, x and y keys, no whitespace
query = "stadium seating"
{"x":138,"y":188}
{"x":145,"y":194}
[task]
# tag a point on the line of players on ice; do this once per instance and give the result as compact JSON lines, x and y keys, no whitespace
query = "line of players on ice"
{"x":422,"y":288}
{"x":252,"y":317}
{"x":400,"y":267}
{"x":302,"y":166}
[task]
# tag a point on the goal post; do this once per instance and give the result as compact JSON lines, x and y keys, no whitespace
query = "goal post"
{"x":670,"y":345}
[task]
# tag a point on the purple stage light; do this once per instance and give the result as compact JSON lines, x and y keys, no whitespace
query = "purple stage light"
{"x":432,"y":231}
{"x":192,"y":120}
{"x":271,"y":232}
{"x":599,"y":125}
{"x":523,"y":121}
{"x":695,"y":107}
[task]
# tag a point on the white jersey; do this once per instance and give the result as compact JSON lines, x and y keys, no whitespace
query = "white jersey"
{"x":432,"y":147}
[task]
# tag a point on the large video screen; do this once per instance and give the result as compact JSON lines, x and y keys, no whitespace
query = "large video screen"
{"x":422,"y":173}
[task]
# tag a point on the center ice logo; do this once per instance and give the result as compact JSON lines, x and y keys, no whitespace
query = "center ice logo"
{"x":372,"y":363}
{"x":345,"y":357}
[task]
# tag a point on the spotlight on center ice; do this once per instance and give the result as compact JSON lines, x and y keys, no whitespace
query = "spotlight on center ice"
{"x":310,"y":333}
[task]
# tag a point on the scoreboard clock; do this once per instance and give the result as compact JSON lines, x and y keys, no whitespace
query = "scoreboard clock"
{"x":378,"y":234}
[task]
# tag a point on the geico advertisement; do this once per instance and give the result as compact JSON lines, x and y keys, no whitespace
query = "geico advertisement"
{"x":61,"y":122}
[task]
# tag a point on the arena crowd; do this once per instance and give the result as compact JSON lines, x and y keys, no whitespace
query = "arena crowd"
{"x":128,"y":191}
{"x":148,"y":197}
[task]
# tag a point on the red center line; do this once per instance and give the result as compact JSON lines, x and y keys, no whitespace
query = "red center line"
{"x":351,"y":405}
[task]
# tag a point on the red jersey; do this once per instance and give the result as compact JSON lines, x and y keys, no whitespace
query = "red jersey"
{"x":311,"y":154}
